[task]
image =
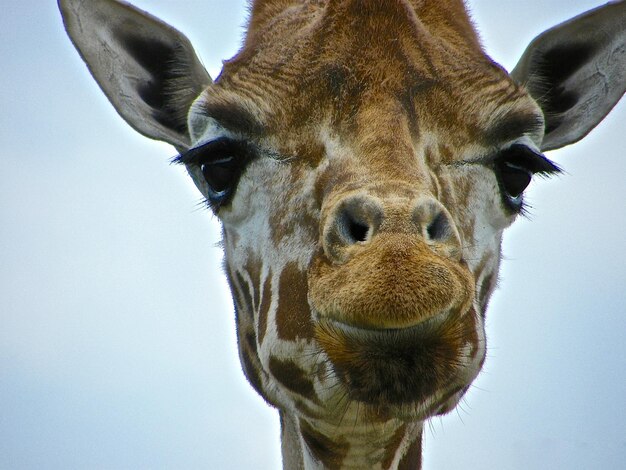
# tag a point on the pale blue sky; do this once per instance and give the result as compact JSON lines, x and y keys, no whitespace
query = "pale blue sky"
{"x":117,"y":342}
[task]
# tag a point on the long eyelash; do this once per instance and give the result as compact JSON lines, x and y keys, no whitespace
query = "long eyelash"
{"x":525,"y":159}
{"x":549,"y":168}
{"x":204,"y":203}
{"x":534,"y":162}
{"x":178,"y":159}
{"x":524,"y":210}
{"x":213,"y":206}
{"x":199,"y":154}
{"x":541,"y":166}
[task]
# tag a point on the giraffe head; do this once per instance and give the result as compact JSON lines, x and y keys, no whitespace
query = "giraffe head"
{"x":364,"y":158}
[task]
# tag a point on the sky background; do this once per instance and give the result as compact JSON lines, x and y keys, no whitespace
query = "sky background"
{"x":117,"y":339}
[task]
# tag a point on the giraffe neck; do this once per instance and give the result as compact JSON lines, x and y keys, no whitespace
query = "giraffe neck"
{"x":313,"y":444}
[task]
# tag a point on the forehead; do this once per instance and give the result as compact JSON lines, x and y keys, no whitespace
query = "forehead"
{"x":361,"y":67}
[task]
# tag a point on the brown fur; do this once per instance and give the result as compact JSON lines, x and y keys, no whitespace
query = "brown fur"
{"x":396,"y":283}
{"x":331,"y":452}
{"x":293,"y":315}
{"x":412,"y":460}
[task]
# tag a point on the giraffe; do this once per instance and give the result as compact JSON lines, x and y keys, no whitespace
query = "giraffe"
{"x":364,"y":158}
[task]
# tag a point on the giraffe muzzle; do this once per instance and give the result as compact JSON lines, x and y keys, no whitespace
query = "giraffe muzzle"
{"x":393,"y":300}
{"x":396,"y":281}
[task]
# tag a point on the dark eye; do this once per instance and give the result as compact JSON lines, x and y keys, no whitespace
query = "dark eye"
{"x":220,"y":174}
{"x":221,"y":162}
{"x":514,"y":168}
{"x":513,"y":178}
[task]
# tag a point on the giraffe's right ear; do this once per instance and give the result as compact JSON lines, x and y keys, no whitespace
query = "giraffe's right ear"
{"x":147,"y":69}
{"x":576,"y":71}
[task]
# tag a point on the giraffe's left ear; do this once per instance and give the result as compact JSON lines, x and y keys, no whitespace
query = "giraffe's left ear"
{"x":576,"y":71}
{"x":147,"y":69}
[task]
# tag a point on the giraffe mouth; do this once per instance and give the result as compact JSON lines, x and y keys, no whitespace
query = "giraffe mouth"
{"x":422,"y":366}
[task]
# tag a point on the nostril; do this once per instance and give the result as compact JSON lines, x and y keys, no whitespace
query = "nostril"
{"x":353,"y":221}
{"x":352,"y":229}
{"x":357,"y":231}
{"x":357,"y":221}
{"x":439,"y":228}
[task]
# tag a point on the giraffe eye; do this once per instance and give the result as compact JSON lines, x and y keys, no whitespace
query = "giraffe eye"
{"x":514,"y":168}
{"x":220,"y":174}
{"x":221,"y":163}
{"x":513,"y":179}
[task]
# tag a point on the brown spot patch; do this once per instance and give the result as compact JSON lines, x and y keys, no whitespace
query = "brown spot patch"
{"x":487,"y":287}
{"x":293,"y":316}
{"x":250,"y":362}
{"x":329,"y":452}
{"x":412,"y":460}
{"x":471,"y":329}
{"x":392,"y":447}
{"x":293,"y":378}
{"x":306,"y":410}
{"x":283,"y":226}
{"x":243,"y":294}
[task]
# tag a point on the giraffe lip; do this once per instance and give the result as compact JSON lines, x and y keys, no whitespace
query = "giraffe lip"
{"x":394,"y":366}
{"x":418,"y":328}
